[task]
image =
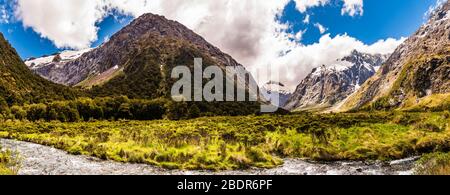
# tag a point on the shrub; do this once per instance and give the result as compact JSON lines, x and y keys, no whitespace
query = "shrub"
{"x":434,"y":164}
{"x":18,"y":112}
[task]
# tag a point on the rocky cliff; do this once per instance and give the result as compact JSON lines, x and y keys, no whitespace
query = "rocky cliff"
{"x":138,"y":60}
{"x":329,"y":85}
{"x":417,"y":73}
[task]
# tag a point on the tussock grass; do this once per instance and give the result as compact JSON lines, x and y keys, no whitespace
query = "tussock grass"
{"x":226,"y":143}
{"x":434,"y":164}
{"x":9,"y":162}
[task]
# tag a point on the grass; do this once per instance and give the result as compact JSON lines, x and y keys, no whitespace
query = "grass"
{"x":227,"y":143}
{"x":9,"y":162}
{"x":435,"y":101}
{"x":434,"y":164}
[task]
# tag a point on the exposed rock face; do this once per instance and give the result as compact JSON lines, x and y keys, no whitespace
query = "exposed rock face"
{"x":141,"y":55}
{"x":328,"y":85}
{"x":52,"y":67}
{"x":277,"y":93}
{"x":418,"y":68}
{"x":128,"y":42}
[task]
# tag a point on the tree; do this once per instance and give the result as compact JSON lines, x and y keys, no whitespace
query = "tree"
{"x":52,"y":115}
{"x":73,"y":115}
{"x":194,"y":111}
{"x":4,"y":108}
{"x":176,"y":110}
{"x":36,"y":112}
{"x":124,"y":111}
{"x":18,"y":112}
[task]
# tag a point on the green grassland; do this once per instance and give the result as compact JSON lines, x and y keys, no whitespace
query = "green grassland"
{"x":9,"y":162}
{"x":226,"y":143}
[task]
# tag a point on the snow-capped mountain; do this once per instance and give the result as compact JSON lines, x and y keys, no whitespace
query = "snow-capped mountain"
{"x":328,"y":85}
{"x":137,"y":60}
{"x":50,"y":67}
{"x":276,"y":92}
{"x":65,"y":56}
{"x":416,"y":71}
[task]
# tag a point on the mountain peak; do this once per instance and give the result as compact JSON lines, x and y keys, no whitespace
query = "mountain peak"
{"x":418,"y":68}
{"x":137,"y":61}
{"x":277,"y":93}
{"x":328,"y":85}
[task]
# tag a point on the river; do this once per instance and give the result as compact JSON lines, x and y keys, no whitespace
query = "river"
{"x":43,"y":160}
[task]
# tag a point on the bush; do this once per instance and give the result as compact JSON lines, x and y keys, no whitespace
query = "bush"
{"x":36,"y":112}
{"x":18,"y":112}
{"x":176,"y":110}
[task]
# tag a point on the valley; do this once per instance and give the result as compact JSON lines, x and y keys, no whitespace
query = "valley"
{"x":43,"y":160}
{"x":110,"y":109}
{"x":235,"y":143}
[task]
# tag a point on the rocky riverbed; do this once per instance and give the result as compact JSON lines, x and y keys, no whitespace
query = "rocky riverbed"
{"x":43,"y":160}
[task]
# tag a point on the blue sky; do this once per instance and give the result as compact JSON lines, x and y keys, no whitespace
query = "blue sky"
{"x":381,"y":19}
{"x":28,"y":43}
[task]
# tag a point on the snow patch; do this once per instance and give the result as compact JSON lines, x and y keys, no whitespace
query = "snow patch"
{"x":65,"y":57}
{"x":338,"y":66}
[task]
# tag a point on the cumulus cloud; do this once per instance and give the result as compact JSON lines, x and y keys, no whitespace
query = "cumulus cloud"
{"x":353,"y":7}
{"x":303,"y":5}
{"x":247,"y":30}
{"x":68,"y":24}
{"x":299,"y":62}
{"x":350,"y":7}
{"x":4,"y":16}
{"x":321,"y":28}
{"x":307,"y":19}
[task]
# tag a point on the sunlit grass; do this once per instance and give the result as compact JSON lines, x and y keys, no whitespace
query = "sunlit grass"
{"x":9,"y":162}
{"x":227,"y":143}
{"x":434,"y":164}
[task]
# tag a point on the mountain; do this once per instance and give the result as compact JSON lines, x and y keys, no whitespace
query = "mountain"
{"x":19,"y":85}
{"x":276,"y":92}
{"x":137,"y":60}
{"x":329,"y":85}
{"x":50,"y":67}
{"x":416,"y":75}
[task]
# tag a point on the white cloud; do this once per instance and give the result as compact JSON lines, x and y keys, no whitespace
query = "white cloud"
{"x":303,"y":5}
{"x":350,"y":7}
{"x":307,"y":19}
{"x":432,"y":8}
{"x":106,"y":39}
{"x":353,"y":7}
{"x":297,"y":36}
{"x":298,"y":63}
{"x":321,"y":28}
{"x":4,"y":16}
{"x":68,"y":24}
{"x":247,"y":30}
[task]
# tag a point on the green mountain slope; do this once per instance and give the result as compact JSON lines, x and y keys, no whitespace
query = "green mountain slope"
{"x":19,"y":85}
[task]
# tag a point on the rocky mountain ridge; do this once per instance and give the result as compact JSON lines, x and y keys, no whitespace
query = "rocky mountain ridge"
{"x":415,"y":73}
{"x":138,"y":57}
{"x":277,"y":93}
{"x":328,"y":85}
